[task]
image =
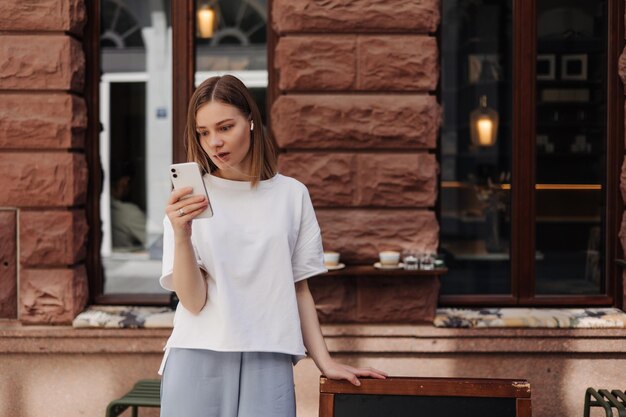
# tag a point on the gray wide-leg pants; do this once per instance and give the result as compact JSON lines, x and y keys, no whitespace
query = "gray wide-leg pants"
{"x":208,"y":383}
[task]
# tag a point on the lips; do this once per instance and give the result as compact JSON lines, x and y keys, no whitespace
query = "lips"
{"x":222,"y":155}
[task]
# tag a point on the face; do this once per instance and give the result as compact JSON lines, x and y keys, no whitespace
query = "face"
{"x":225,"y":136}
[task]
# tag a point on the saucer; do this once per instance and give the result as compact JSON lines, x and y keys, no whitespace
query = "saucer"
{"x":381,"y":266}
{"x":334,"y":268}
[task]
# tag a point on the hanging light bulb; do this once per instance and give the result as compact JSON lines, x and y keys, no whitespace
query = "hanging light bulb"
{"x":484,"y":124}
{"x":205,"y":18}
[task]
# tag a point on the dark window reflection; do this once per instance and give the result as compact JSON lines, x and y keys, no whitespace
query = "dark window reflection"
{"x":476,"y":144}
{"x":127,"y":167}
{"x":570,"y":147}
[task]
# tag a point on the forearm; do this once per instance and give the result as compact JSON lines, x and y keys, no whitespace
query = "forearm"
{"x":311,"y":332}
{"x":189,"y":283}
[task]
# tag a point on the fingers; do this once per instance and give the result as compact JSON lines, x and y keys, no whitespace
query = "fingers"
{"x":379,"y":371}
{"x":177,"y":194}
{"x":186,"y":209}
{"x":185,"y":202}
{"x":368,"y":372}
{"x":374,"y":370}
{"x":351,"y":374}
{"x":375,"y":373}
{"x":190,"y":215}
{"x":365,"y":369}
{"x":352,"y":378}
{"x":342,"y":373}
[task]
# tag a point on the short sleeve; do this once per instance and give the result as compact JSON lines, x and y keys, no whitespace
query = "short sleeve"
{"x":167,"y":266}
{"x":308,"y":256}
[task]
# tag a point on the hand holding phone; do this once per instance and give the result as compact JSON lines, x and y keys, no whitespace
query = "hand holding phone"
{"x":188,"y":175}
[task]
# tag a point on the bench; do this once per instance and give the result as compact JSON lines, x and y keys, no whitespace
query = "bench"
{"x":145,"y":393}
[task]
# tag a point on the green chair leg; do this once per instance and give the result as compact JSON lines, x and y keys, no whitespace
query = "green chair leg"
{"x":145,"y":393}
{"x":605,"y":399}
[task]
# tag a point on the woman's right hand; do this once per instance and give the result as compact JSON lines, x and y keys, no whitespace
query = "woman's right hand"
{"x":191,"y":207}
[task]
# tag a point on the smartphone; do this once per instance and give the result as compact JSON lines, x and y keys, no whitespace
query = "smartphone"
{"x":188,"y":175}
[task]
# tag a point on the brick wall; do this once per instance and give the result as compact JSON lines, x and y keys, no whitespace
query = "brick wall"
{"x":357,"y":120}
{"x":622,"y":232}
{"x":43,"y":170}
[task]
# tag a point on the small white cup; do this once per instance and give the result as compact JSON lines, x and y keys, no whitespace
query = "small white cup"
{"x":389,"y":257}
{"x":331,"y":258}
{"x":410,"y":259}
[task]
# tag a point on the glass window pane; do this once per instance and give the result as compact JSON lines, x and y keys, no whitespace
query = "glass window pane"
{"x":570,"y":145}
{"x":135,"y":143}
{"x":231,"y":38}
{"x":476,"y":143}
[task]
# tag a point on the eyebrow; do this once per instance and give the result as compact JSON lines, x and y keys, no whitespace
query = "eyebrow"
{"x":216,"y":124}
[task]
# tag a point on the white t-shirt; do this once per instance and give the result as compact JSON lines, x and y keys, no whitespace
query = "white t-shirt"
{"x":258,"y":243}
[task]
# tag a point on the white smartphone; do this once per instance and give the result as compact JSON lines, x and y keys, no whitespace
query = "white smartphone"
{"x":188,"y":175}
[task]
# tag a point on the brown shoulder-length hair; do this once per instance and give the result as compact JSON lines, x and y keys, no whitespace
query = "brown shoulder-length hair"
{"x":230,"y":90}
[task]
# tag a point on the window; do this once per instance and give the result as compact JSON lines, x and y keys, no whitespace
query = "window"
{"x":142,"y":58}
{"x":135,"y":141}
{"x":476,"y":146}
{"x":530,"y":151}
{"x":237,"y":43}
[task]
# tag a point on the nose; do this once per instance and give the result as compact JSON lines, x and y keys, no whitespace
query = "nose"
{"x":215,"y":142}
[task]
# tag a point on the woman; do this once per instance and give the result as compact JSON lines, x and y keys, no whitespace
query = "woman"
{"x":245,"y":313}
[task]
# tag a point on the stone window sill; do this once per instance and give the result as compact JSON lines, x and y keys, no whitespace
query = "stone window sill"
{"x":379,"y":339}
{"x":370,"y":270}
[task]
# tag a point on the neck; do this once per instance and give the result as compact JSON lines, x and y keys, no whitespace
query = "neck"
{"x":234,"y":172}
{"x":230,"y":174}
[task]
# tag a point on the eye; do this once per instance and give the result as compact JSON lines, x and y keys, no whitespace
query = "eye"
{"x":203,"y":133}
{"x":225,"y":128}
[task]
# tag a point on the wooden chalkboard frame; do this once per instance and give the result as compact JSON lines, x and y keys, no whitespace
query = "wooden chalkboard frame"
{"x":518,"y":389}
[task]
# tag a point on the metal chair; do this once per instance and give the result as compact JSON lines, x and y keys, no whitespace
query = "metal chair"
{"x":145,"y":393}
{"x":607,"y":400}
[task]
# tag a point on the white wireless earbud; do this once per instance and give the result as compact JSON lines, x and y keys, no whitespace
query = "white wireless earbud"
{"x":251,"y":125}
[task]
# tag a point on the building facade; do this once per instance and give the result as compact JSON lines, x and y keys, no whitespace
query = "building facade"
{"x":360,"y":100}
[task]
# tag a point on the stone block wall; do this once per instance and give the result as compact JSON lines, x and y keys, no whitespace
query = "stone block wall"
{"x":622,"y":233}
{"x":357,"y":120}
{"x":43,"y":169}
